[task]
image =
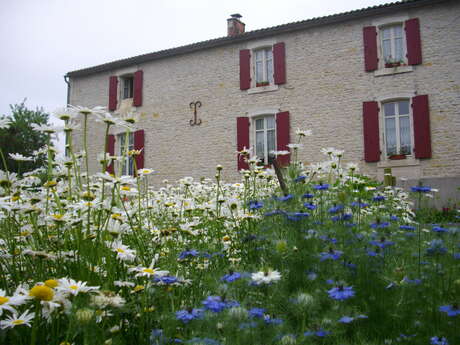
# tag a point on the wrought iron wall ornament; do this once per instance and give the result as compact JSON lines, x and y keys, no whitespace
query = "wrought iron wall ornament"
{"x":195,"y":121}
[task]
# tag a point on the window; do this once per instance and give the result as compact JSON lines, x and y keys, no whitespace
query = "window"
{"x":392,"y":45}
{"x":263,"y":66}
{"x":127,"y":163}
{"x":265,"y":137}
{"x":128,"y":87}
{"x":397,"y":126}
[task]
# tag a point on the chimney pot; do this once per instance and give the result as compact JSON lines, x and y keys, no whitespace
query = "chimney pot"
{"x":235,"y":26}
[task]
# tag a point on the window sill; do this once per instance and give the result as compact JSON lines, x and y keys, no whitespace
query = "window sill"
{"x":391,"y":163}
{"x":261,"y":89}
{"x":393,"y":70}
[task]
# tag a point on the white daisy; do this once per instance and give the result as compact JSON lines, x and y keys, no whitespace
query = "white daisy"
{"x":124,"y":253}
{"x":7,"y":302}
{"x":147,"y":272}
{"x":266,"y":277}
{"x":15,"y":320}
{"x":73,"y":287}
{"x":5,"y":123}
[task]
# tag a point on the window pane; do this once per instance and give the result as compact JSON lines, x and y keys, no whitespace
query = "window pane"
{"x":389,"y":109}
{"x":404,"y":131}
{"x":259,"y":55}
{"x":271,"y":140}
{"x":386,"y":33}
{"x":403,"y":107}
{"x":398,"y":30}
{"x":270,"y":122}
{"x":259,"y":72}
{"x":260,"y":145}
{"x":390,"y":136}
{"x":387,"y":50}
{"x":270,"y":71}
{"x":259,"y":124}
{"x":398,"y":49}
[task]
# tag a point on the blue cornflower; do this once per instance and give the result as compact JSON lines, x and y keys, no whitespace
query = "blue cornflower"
{"x":216,"y":304}
{"x":379,"y":225}
{"x":285,"y":197}
{"x":415,"y":281}
{"x":319,"y":333}
{"x":255,"y":205}
{"x":436,"y":247}
{"x":296,"y":216}
{"x":331,"y":255}
{"x":231,"y":277}
{"x":420,"y":189}
{"x":201,"y":341}
{"x":382,"y":243}
{"x":394,"y":218}
{"x":188,"y":315}
{"x":346,"y":319}
{"x":187,"y":253}
{"x":321,"y":186}
{"x":456,"y":256}
{"x":378,"y":198}
{"x":335,"y":209}
{"x":307,"y":196}
{"x":310,"y":206}
{"x":165,"y":280}
{"x":358,"y":204}
{"x":272,"y":321}
{"x":300,"y":178}
{"x":439,"y":229}
{"x":451,"y":310}
{"x":341,"y":292}
{"x":407,"y":227}
{"x":439,"y":341}
{"x":256,"y":312}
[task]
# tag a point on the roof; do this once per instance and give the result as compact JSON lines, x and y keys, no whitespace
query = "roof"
{"x":274,"y":30}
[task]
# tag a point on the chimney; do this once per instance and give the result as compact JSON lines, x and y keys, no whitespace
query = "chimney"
{"x":235,"y":25}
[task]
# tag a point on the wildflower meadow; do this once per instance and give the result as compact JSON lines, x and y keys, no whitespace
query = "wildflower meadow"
{"x":332,"y":258}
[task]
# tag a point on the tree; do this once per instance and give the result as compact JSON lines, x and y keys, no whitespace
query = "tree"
{"x":21,"y":138}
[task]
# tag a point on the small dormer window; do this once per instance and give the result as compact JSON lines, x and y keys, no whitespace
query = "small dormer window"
{"x":128,"y":87}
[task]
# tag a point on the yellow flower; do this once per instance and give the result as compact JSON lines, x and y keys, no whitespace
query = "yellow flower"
{"x":51,"y":283}
{"x":42,"y":292}
{"x":226,"y":238}
{"x":49,"y":184}
{"x":138,"y":288}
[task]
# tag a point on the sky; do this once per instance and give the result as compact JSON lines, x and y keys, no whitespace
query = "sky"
{"x":42,"y":40}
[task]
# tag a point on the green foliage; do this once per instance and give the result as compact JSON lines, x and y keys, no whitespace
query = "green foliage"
{"x":21,"y":138}
{"x":429,"y":215}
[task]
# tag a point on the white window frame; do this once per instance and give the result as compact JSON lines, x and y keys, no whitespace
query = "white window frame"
{"x":264,"y":131}
{"x":392,"y":39}
{"x":398,"y":138}
{"x":254,"y":46}
{"x":270,"y":80}
{"x":126,"y":164}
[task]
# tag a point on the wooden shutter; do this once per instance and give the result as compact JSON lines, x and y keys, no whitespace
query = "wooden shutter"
{"x":282,"y":136}
{"x":371,"y":131}
{"x":113,"y":83}
{"x":422,"y":137}
{"x":414,"y":43}
{"x":111,"y":151}
{"x":137,"y":92}
{"x":242,"y":139}
{"x":279,"y":63}
{"x":370,"y":48}
{"x":245,"y":69}
{"x":139,"y":145}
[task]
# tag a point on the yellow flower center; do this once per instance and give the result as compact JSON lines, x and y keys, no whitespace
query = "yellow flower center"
{"x":116,"y":216}
{"x":138,"y":288}
{"x":42,"y":292}
{"x":73,"y":287}
{"x":51,"y":283}
{"x":125,"y":188}
{"x":17,"y":322}
{"x":57,"y":216}
{"x":148,"y":270}
{"x":3,"y":300}
{"x":120,"y":250}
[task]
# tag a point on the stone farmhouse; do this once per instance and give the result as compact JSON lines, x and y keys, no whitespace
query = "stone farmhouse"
{"x":381,"y":83}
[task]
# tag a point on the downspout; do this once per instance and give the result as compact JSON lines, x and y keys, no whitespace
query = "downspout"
{"x":66,"y":79}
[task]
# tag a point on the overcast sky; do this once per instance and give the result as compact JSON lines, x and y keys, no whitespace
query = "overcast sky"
{"x":42,"y":40}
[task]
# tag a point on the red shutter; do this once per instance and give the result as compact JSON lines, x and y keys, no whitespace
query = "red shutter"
{"x":370,"y":48}
{"x":371,"y":131}
{"x":242,"y":139}
{"x":282,"y":136}
{"x":279,"y":62}
{"x":137,"y":92}
{"x":113,"y":81}
{"x":139,"y":145}
{"x":245,"y":69}
{"x":422,"y":137}
{"x":414,"y":43}
{"x":111,"y":151}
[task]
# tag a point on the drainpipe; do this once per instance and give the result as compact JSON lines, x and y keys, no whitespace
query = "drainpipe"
{"x":66,"y":79}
